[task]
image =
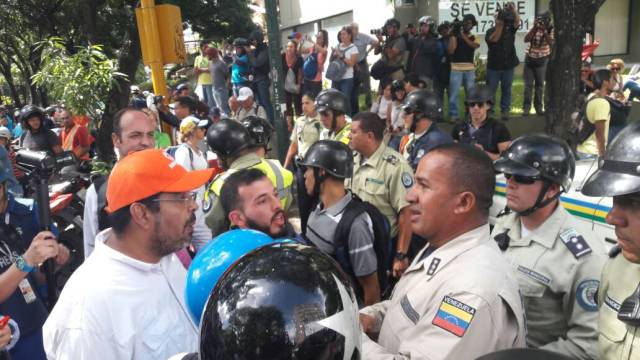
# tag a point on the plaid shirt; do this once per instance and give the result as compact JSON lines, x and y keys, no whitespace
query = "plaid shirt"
{"x":539,"y":46}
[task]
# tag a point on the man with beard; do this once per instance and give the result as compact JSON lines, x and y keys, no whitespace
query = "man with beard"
{"x":250,"y":201}
{"x":127,"y":300}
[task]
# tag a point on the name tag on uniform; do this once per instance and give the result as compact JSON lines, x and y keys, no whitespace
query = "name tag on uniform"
{"x":375,"y":181}
{"x":614,"y":305}
{"x":27,"y":291}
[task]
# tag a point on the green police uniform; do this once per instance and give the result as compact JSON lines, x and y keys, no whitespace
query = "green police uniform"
{"x":281,"y":178}
{"x":342,"y":135}
{"x":558,"y":267}
{"x":620,"y":278}
{"x":306,"y":131}
{"x":383,"y":180}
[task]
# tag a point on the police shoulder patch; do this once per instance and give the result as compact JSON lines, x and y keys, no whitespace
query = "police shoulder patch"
{"x":454,"y":316}
{"x":391,"y":159}
{"x":586,"y":294}
{"x":575,"y":243}
{"x":407,"y":180}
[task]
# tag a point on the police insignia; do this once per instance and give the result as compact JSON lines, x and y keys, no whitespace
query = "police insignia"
{"x":586,"y":295}
{"x":434,"y":266}
{"x":575,"y":243}
{"x":407,"y":180}
{"x":454,"y":316}
{"x":420,"y":154}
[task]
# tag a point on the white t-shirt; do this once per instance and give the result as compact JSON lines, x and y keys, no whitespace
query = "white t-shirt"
{"x":117,"y":307}
{"x":380,"y":107}
{"x":348,"y":51}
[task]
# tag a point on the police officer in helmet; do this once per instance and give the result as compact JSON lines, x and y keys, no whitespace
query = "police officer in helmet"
{"x":234,"y":145}
{"x":557,"y":260}
{"x":618,"y":175}
{"x":422,"y":110}
{"x":333,"y":105}
{"x":260,"y":130}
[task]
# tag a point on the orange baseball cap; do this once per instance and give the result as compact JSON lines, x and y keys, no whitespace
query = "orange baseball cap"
{"x":148,"y":172}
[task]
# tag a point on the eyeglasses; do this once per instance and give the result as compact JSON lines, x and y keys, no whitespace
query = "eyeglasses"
{"x":615,"y":69}
{"x":474,"y":104}
{"x":185,"y":198}
{"x":524,"y":180}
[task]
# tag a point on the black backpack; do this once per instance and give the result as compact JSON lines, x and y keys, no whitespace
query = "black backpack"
{"x":381,"y":241}
{"x":581,"y":128}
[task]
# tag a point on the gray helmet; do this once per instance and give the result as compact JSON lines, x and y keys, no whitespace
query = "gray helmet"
{"x":423,"y":102}
{"x":619,"y":172}
{"x":333,"y":156}
{"x":539,"y":155}
{"x":228,"y":137}
{"x":30,"y":111}
{"x":480,"y":93}
{"x":332,"y":99}
{"x":259,"y":129}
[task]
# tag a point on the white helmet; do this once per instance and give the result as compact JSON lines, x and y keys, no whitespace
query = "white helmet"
{"x":426,"y":20}
{"x":5,"y":133}
{"x":135,"y":89}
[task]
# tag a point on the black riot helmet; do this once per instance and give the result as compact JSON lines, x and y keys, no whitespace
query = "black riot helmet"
{"x":30,"y":111}
{"x":479,"y":94}
{"x":619,"y":172}
{"x":539,"y":156}
{"x":259,"y":129}
{"x":334,"y":100}
{"x":228,"y":137}
{"x":333,"y":156}
{"x":299,"y":309}
{"x":523,"y":354}
{"x":396,"y":85}
{"x":423,"y":103}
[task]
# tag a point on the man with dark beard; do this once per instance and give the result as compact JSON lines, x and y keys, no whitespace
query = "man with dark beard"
{"x":127,"y":300}
{"x":250,"y":201}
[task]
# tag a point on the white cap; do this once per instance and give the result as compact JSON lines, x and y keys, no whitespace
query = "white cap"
{"x":244,"y":94}
{"x":5,"y":133}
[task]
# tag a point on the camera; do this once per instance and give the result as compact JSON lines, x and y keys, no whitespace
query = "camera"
{"x":43,"y":162}
{"x":382,"y":31}
{"x":456,"y":26}
{"x":506,"y":14}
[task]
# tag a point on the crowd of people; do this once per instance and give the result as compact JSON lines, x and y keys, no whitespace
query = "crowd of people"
{"x":400,"y":205}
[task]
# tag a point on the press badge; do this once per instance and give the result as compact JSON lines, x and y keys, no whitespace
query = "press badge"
{"x":27,"y":291}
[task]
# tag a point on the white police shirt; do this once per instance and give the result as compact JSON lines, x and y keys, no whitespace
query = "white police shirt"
{"x":117,"y":307}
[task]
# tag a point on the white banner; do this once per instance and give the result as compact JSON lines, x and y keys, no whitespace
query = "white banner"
{"x":484,"y":10}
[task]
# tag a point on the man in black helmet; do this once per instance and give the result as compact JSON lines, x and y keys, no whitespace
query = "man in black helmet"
{"x":557,"y":261}
{"x":328,"y":163}
{"x":36,"y":136}
{"x":333,"y":105}
{"x":618,"y":176}
{"x":422,"y":110}
{"x":233,"y":144}
{"x":259,"y":63}
{"x":481,"y":130}
{"x":260,"y":130}
{"x":423,"y":51}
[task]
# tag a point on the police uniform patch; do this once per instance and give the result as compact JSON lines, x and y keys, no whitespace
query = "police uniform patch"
{"x":614,"y":305}
{"x":433,"y":266}
{"x":420,"y":154}
{"x":454,"y":316}
{"x":575,"y":243}
{"x":586,"y":295}
{"x":391,"y":159}
{"x":407,"y":180}
{"x":534,"y":275}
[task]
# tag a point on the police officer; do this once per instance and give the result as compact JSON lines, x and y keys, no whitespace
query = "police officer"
{"x":480,"y":129}
{"x":260,"y":130}
{"x":556,"y":260}
{"x":382,"y":177}
{"x":422,"y":109}
{"x":618,"y":297}
{"x":235,"y":148}
{"x":333,"y":105}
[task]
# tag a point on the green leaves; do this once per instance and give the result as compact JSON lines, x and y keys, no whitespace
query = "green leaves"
{"x":80,"y":78}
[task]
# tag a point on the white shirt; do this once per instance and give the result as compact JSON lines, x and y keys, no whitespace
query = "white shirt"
{"x":348,"y":52}
{"x":116,"y":307}
{"x":90,"y":220}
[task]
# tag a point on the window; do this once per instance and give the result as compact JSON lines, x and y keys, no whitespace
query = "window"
{"x":612,"y":28}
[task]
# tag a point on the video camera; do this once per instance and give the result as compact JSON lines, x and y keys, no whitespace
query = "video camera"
{"x":381,"y":31}
{"x":507,"y":14}
{"x":456,"y":26}
{"x":42,"y":162}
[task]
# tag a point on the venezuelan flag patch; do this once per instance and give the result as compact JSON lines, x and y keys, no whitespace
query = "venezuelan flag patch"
{"x":454,"y":316}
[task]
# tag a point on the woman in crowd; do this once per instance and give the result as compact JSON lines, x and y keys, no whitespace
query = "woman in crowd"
{"x":319,"y":51}
{"x":617,"y":89}
{"x":348,"y":52}
{"x":292,"y":72}
{"x":395,"y":117}
{"x":240,"y":66}
{"x":382,"y":105}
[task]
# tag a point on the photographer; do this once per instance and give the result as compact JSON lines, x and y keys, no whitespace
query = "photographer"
{"x":392,"y":47}
{"x":502,"y":58}
{"x":423,"y":50}
{"x":540,"y":39}
{"x":462,"y":46}
{"x":259,"y":63}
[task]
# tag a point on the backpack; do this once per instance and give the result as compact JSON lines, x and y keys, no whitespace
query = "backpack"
{"x":381,"y":240}
{"x":581,"y":128}
{"x":310,"y":66}
{"x":337,"y":68}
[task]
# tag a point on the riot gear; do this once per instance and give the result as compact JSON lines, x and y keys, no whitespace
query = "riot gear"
{"x":480,"y":94}
{"x":307,"y":308}
{"x":334,"y":100}
{"x":619,"y":172}
{"x":30,"y":111}
{"x":422,"y":103}
{"x":228,"y":137}
{"x":541,"y":157}
{"x":259,"y":129}
{"x":396,"y":85}
{"x":334,"y":157}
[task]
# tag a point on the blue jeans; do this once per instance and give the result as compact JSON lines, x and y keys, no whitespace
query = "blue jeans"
{"x":264,"y":97}
{"x":346,"y":87}
{"x":221,"y":96}
{"x":207,"y":94}
{"x":634,"y":89}
{"x":505,"y":77}
{"x":457,"y":79}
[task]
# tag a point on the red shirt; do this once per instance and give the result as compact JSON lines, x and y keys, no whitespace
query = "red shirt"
{"x":80,"y":138}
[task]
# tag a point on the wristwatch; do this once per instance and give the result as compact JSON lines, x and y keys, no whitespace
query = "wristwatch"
{"x":22,"y":265}
{"x":400,"y":256}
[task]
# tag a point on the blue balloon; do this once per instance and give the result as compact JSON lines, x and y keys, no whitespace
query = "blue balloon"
{"x":214,"y":259}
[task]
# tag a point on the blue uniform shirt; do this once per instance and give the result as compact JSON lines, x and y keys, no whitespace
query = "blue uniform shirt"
{"x":432,"y":138}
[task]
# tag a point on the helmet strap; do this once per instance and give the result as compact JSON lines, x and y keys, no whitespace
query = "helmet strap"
{"x":317,"y":181}
{"x":540,"y":203}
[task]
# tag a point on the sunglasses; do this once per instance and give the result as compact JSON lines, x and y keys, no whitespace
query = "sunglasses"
{"x":524,"y":180}
{"x":615,"y":69}
{"x":474,"y":104}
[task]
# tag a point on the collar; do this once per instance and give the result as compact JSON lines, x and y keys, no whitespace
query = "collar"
{"x":552,"y":225}
{"x":246,"y":161}
{"x":114,"y":255}
{"x":375,"y":159}
{"x":450,"y":251}
{"x":426,"y":131}
{"x":337,"y":208}
{"x":311,"y":119}
{"x":482,"y":125}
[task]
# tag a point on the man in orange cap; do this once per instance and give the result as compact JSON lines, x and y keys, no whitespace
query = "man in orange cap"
{"x":127,"y":300}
